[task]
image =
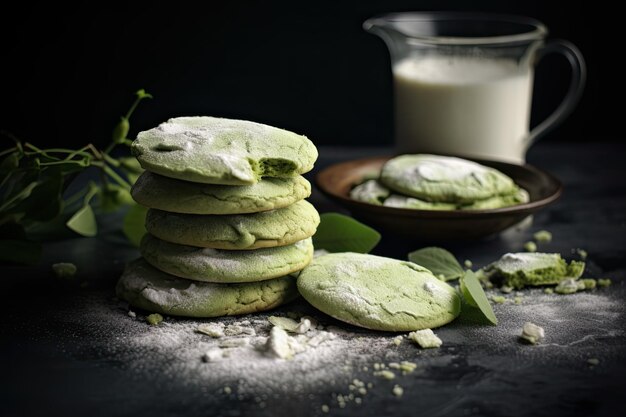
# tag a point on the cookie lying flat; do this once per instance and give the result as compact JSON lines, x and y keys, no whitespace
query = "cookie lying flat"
{"x":370,"y":191}
{"x":518,"y":270}
{"x":236,"y":231}
{"x":520,"y":196}
{"x":227,"y":266}
{"x":222,"y":151}
{"x":145,"y":287}
{"x":176,"y":196}
{"x":378,"y":293}
{"x":444,"y":179}
{"x":401,"y":201}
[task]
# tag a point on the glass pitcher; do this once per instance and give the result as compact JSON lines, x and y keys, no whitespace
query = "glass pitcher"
{"x":463,"y":82}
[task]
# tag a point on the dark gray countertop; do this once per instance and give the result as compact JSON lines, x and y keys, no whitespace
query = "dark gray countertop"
{"x":68,"y":350}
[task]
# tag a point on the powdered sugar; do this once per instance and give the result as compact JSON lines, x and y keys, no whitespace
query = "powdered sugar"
{"x":442,"y":168}
{"x":170,"y":355}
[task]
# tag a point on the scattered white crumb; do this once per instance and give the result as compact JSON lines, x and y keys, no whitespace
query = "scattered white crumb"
{"x":425,"y":338}
{"x":532,"y":333}
{"x":236,"y":330}
{"x":211,"y":329}
{"x":212,"y":355}
{"x":278,"y":344}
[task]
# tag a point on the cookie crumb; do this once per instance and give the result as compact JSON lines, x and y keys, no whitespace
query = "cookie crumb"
{"x":498,"y":299}
{"x":385,"y":374}
{"x":531,"y":333}
{"x":543,"y":236}
{"x":530,"y":246}
{"x":582,"y":253}
{"x":154,"y":319}
{"x":567,"y":286}
{"x":64,"y":270}
{"x":425,"y":338}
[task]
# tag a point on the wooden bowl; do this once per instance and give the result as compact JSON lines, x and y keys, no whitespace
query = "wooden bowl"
{"x":337,"y":180}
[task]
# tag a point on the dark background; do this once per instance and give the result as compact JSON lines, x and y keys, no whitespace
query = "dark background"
{"x":69,"y":72}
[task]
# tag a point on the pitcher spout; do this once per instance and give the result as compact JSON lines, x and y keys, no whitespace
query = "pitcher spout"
{"x":384,"y":28}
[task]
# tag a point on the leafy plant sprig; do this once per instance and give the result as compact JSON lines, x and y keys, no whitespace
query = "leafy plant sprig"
{"x":38,"y":197}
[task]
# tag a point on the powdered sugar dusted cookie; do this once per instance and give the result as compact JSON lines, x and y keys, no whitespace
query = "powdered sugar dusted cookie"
{"x":215,"y":265}
{"x":222,"y":151}
{"x":148,"y":288}
{"x":176,"y":196}
{"x":236,"y":231}
{"x":378,"y":293}
{"x":444,"y":179}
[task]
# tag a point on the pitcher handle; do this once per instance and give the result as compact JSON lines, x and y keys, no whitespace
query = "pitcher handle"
{"x":577,"y":84}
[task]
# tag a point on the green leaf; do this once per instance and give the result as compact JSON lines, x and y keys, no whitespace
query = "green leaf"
{"x":20,"y":195}
{"x":19,"y":251}
{"x":9,"y":163}
{"x":44,"y":202}
{"x":474,"y":295}
{"x":135,"y":224}
{"x":83,"y":222}
{"x":112,"y":196}
{"x":120,"y":131}
{"x":439,"y":261}
{"x":339,"y":233}
{"x":142,"y":94}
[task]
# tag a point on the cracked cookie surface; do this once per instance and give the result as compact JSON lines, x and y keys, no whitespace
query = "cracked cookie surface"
{"x":444,"y":179}
{"x":150,"y":289}
{"x":177,"y":196}
{"x":215,"y":150}
{"x":378,"y":293}
{"x":266,"y":229}
{"x":227,"y":266}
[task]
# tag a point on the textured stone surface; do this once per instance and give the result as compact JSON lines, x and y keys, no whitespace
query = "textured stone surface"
{"x":53,"y":341}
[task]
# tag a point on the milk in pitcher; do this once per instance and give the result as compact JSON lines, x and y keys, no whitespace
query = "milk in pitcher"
{"x":465,"y":106}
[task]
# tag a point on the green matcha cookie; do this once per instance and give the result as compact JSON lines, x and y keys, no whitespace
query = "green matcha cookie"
{"x":520,"y":196}
{"x":378,"y":293}
{"x":400,"y":201}
{"x":215,"y":265}
{"x":176,"y":196}
{"x":236,"y":231}
{"x":213,"y":150}
{"x":145,"y":287}
{"x":518,"y":270}
{"x":370,"y":191}
{"x":444,"y":179}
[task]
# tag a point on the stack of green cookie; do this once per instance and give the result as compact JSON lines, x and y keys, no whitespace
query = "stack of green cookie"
{"x":434,"y":182}
{"x":227,"y":220}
